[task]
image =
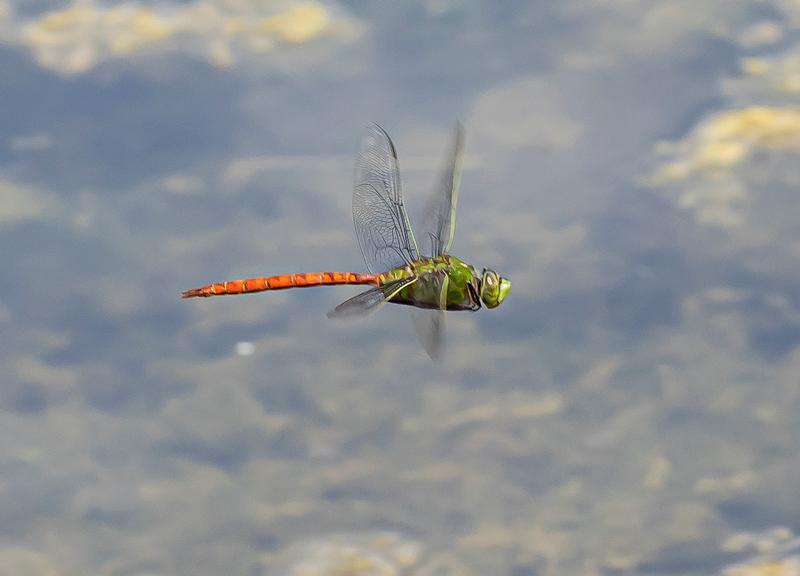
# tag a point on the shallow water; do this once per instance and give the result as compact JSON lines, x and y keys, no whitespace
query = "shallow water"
{"x":631,"y":408}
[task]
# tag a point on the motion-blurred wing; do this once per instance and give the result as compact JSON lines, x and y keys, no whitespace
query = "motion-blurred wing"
{"x":440,"y":214}
{"x":382,"y":228}
{"x":430,"y":324}
{"x":370,"y":300}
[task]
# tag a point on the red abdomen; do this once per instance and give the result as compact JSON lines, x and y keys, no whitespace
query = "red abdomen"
{"x":282,"y":282}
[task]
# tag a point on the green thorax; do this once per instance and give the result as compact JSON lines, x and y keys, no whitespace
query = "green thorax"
{"x":427,"y":291}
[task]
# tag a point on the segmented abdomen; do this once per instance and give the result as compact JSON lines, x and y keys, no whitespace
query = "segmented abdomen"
{"x":282,"y":282}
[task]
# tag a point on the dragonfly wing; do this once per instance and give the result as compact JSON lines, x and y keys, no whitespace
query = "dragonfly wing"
{"x":429,"y":324}
{"x":370,"y":300}
{"x":440,"y":214}
{"x":382,"y":227}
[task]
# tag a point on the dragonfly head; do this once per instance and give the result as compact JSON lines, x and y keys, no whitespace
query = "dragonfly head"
{"x":494,"y":288}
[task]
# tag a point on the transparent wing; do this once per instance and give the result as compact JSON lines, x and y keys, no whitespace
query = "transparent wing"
{"x":370,"y":300}
{"x":429,"y":324}
{"x":382,"y":228}
{"x":440,"y":213}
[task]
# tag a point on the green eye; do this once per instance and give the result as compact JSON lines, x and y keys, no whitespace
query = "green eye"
{"x":493,"y":288}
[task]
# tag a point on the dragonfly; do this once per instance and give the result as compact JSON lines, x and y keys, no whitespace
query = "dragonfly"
{"x":400,"y":270}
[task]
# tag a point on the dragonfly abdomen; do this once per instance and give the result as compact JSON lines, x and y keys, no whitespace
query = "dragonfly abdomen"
{"x":281,"y":282}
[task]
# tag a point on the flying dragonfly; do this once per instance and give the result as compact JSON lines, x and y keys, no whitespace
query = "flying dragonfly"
{"x":400,"y":272}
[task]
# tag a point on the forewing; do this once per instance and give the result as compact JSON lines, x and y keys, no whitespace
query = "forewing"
{"x":440,"y":214}
{"x":382,"y":228}
{"x":370,"y":300}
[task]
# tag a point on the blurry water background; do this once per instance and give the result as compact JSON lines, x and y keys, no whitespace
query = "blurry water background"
{"x":632,"y":408}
